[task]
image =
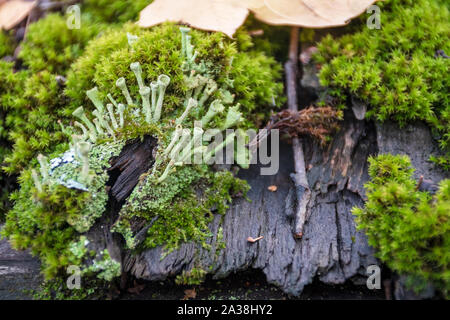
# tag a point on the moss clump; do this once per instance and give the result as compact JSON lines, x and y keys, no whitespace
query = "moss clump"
{"x":38,"y":221}
{"x":186,"y":87}
{"x":195,"y":276}
{"x":114,"y":11}
{"x":395,"y":69}
{"x":6,"y":44}
{"x":32,"y":99}
{"x":250,"y":75}
{"x":183,"y":215}
{"x":410,"y":229}
{"x":50,"y":45}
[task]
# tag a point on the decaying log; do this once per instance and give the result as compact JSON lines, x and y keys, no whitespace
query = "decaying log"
{"x":330,"y":249}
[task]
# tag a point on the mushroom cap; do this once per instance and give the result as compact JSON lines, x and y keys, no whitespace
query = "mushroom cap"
{"x":228,"y":15}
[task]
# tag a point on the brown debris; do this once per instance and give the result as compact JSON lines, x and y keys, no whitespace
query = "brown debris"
{"x":253,"y":240}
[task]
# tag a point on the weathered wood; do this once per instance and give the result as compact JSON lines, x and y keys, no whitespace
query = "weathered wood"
{"x":135,"y":159}
{"x":331,"y":249}
{"x":18,"y":272}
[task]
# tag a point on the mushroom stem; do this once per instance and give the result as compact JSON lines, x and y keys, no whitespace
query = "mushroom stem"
{"x":110,"y":97}
{"x":233,"y":117}
{"x":154,"y":88}
{"x":185,"y":135}
{"x":211,"y":153}
{"x":194,"y":143}
{"x":98,"y":127}
{"x":166,"y":171}
{"x":299,"y":177}
{"x":44,"y":166}
{"x":103,"y":122}
{"x":211,"y":86}
{"x":83,"y":128}
{"x":184,"y":32}
{"x":83,"y":149}
{"x":79,"y":113}
{"x":37,"y":182}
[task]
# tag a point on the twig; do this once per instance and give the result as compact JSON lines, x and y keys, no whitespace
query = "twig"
{"x":299,"y":177}
{"x":419,"y":183}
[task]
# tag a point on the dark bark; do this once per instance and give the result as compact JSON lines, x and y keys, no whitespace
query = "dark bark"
{"x":135,"y":159}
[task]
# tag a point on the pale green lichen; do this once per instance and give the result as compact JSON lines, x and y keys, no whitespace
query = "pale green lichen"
{"x":70,"y":170}
{"x":178,"y":194}
{"x":106,"y":268}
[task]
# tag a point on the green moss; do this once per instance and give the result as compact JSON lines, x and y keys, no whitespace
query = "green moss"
{"x":394,"y":69}
{"x":38,"y":221}
{"x":56,"y":289}
{"x":6,"y":44}
{"x":33,"y":98}
{"x":410,"y":229}
{"x":195,"y":276}
{"x":50,"y":45}
{"x":252,"y":76}
{"x":114,"y":11}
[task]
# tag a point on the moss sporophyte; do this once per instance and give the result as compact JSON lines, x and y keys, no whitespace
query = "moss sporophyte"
{"x":174,"y":197}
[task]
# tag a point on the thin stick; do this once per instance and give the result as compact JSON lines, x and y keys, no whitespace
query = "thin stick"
{"x":301,"y":182}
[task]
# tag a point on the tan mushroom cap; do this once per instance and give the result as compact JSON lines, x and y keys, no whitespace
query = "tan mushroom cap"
{"x":12,"y":12}
{"x":228,"y":15}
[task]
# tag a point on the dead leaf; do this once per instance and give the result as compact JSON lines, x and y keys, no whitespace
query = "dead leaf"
{"x":272,"y":188}
{"x":307,"y":13}
{"x":228,"y":15}
{"x":211,"y":15}
{"x":12,"y":12}
{"x":137,"y":288}
{"x":189,"y":294}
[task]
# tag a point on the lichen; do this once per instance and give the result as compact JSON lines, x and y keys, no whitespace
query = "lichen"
{"x":64,"y":194}
{"x":105,"y":268}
